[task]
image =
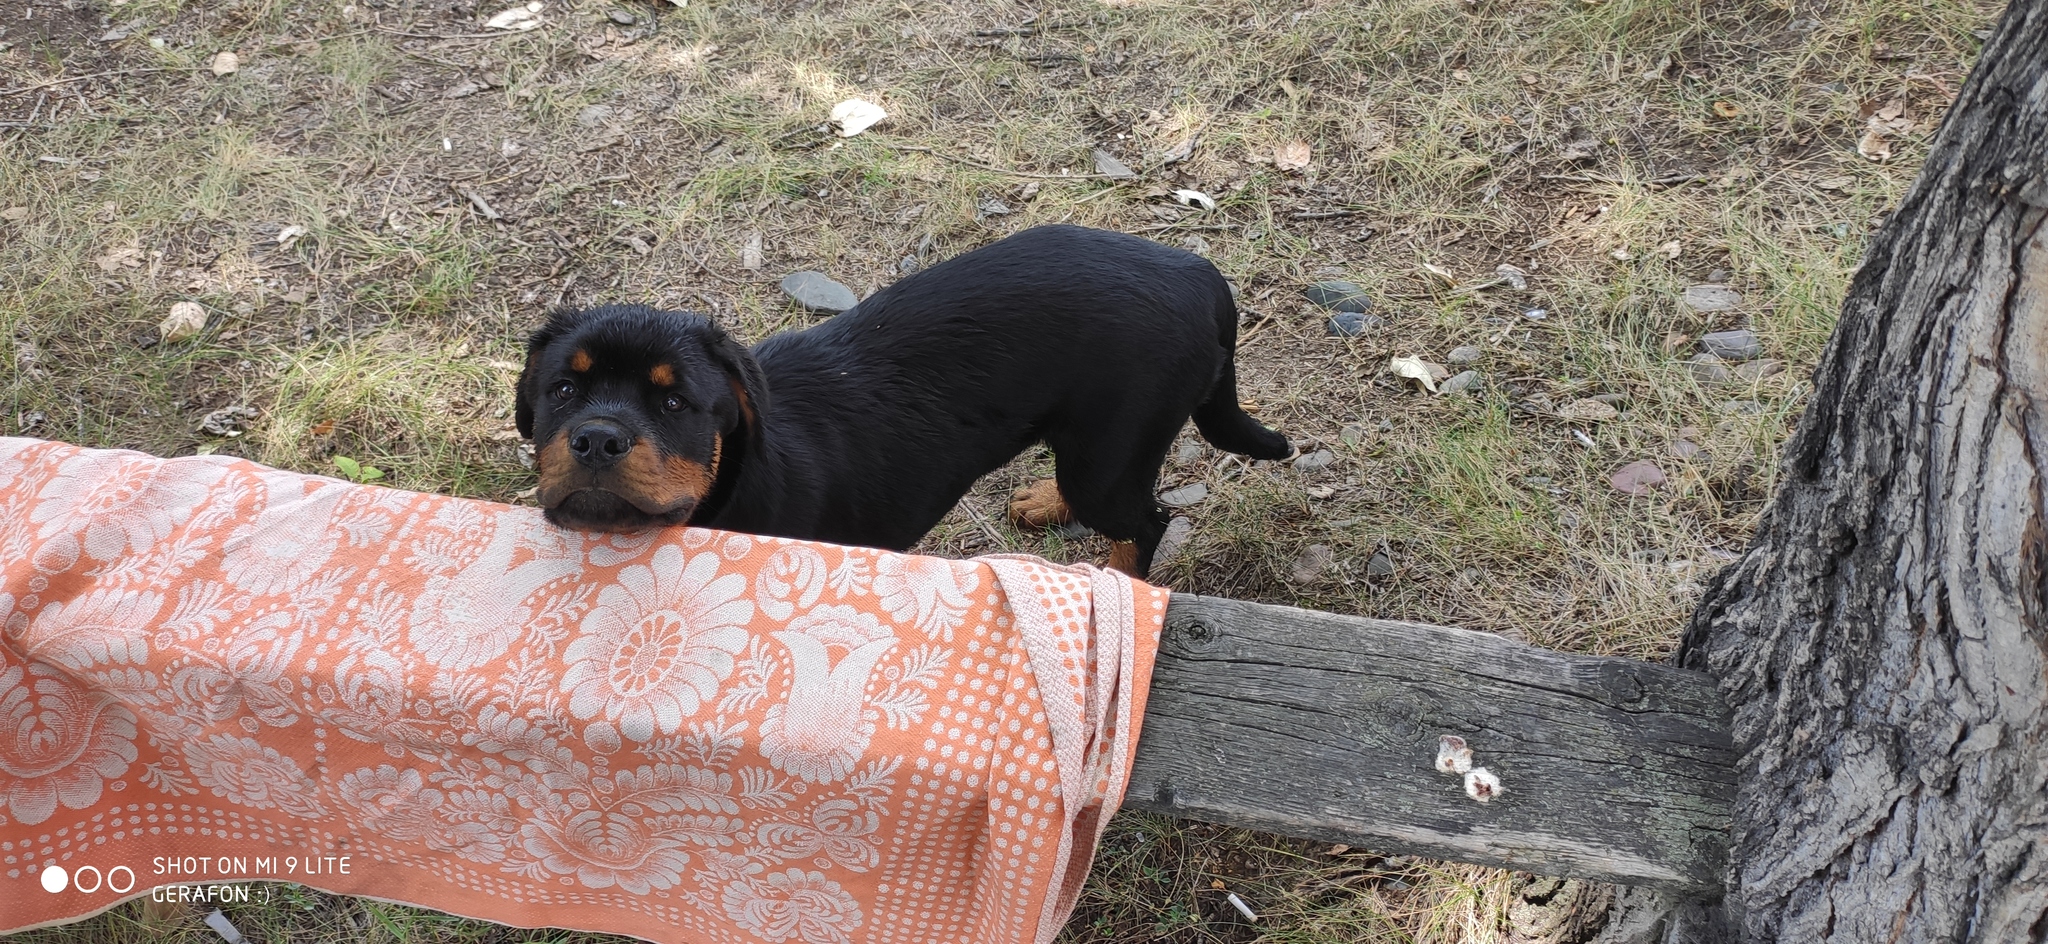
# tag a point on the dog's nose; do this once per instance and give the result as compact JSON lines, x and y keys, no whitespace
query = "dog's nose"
{"x":599,"y":444}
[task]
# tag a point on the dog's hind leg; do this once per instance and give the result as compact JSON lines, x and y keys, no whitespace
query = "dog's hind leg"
{"x":1108,"y":485}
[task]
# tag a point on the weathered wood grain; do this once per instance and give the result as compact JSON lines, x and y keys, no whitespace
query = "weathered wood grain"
{"x":1326,"y":727}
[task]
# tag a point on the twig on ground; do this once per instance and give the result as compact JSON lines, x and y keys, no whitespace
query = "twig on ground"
{"x":1000,"y":170}
{"x":53,"y":83}
{"x":411,"y":35}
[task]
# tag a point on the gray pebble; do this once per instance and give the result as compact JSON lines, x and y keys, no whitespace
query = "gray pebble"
{"x":1536,"y":314}
{"x":1711,"y":298}
{"x":1189,"y":451}
{"x":1339,"y":296}
{"x":1738,"y":345}
{"x":1467,"y":382}
{"x":1380,"y":565}
{"x":1758,"y":370}
{"x":1718,"y":276}
{"x":1314,"y":559}
{"x":621,"y":17}
{"x":1073,"y":530}
{"x":1107,"y":165}
{"x":1707,"y":369}
{"x":1176,"y":537}
{"x":1351,"y":324}
{"x":1465,"y":355}
{"x":818,"y":293}
{"x":909,"y":265}
{"x":1314,"y":461}
{"x":1352,"y":434}
{"x":1184,"y":496}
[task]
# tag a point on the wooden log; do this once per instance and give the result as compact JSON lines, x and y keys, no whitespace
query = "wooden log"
{"x":1327,"y":727}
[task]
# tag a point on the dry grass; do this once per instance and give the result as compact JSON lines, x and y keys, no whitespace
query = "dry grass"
{"x":1617,"y":150}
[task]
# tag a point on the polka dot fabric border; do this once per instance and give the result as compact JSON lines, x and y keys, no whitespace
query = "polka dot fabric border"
{"x":212,"y":671}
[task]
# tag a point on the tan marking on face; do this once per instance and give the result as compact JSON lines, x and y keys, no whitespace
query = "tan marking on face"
{"x":559,"y":473}
{"x":1123,"y":556}
{"x":580,"y":361}
{"x":662,"y":376}
{"x":1039,"y":505}
{"x":655,"y":483}
{"x":652,"y":482}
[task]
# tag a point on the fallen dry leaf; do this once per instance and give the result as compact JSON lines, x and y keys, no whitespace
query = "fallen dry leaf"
{"x":1438,"y":275}
{"x":517,"y":18}
{"x":1637,"y":478}
{"x":1292,"y":156}
{"x":1873,"y":146}
{"x":185,"y":320}
{"x":750,"y":254}
{"x":226,"y":63}
{"x":1727,"y":109}
{"x":855,"y":115}
{"x":14,"y":214}
{"x":1415,"y":368}
{"x":120,"y":257}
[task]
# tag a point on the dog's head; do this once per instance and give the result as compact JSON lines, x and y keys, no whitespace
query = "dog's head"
{"x":633,"y":412}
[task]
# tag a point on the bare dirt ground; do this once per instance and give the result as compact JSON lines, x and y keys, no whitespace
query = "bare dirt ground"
{"x":380,"y":198}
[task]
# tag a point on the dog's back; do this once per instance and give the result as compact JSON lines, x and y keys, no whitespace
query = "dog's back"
{"x":1097,"y":342}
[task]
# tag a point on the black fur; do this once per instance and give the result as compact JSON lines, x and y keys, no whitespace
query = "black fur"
{"x":866,"y":429}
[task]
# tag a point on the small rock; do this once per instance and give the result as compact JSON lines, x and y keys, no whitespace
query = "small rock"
{"x":1637,"y":478}
{"x":185,"y":320}
{"x":1741,"y":407}
{"x":1189,"y":451}
{"x":1352,"y":434}
{"x":1685,"y":448}
{"x":1707,"y":369}
{"x":1711,"y":298}
{"x":1193,"y":242}
{"x":1465,"y":355}
{"x":1536,"y":314}
{"x":1339,"y":296}
{"x":1073,"y":530}
{"x":1176,"y":537}
{"x":1315,"y":461}
{"x":594,"y":115}
{"x":1107,"y":165}
{"x":1381,"y":565}
{"x":1718,"y":276}
{"x":1738,"y":345}
{"x":1759,"y":369}
{"x":818,"y":293}
{"x":621,"y":17}
{"x":1351,"y":324}
{"x":1614,"y":400}
{"x":1467,"y":382}
{"x":1184,"y":496}
{"x":1514,"y":277}
{"x":1587,"y":410}
{"x":1314,"y":559}
{"x":751,"y":253}
{"x":225,"y":63}
{"x":909,"y":265}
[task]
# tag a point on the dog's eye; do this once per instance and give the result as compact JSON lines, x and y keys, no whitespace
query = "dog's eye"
{"x":674,"y":404}
{"x":565,"y":390}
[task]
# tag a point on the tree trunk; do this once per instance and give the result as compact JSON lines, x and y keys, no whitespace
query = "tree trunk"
{"x":1884,"y":640}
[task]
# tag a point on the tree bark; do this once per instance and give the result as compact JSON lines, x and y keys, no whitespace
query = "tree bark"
{"x":1884,"y":640}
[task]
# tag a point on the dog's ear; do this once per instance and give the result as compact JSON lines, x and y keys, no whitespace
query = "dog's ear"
{"x":526,"y":391}
{"x":743,"y":373}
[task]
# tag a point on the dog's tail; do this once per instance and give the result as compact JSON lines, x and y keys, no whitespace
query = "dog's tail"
{"x":1221,"y":420}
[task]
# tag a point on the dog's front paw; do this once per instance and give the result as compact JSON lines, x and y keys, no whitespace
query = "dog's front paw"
{"x":1039,"y":505}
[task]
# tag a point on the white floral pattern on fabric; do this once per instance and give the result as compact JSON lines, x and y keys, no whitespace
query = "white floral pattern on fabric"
{"x":659,"y":641}
{"x":64,"y":745}
{"x":796,"y":904}
{"x":682,"y":735}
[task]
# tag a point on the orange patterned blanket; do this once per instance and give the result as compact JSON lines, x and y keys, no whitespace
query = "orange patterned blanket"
{"x":212,"y":671}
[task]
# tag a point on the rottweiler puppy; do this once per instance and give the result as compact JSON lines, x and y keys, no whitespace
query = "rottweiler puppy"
{"x":866,"y":429}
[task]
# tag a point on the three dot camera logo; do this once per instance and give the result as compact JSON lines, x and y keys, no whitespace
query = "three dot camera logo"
{"x":89,"y":879}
